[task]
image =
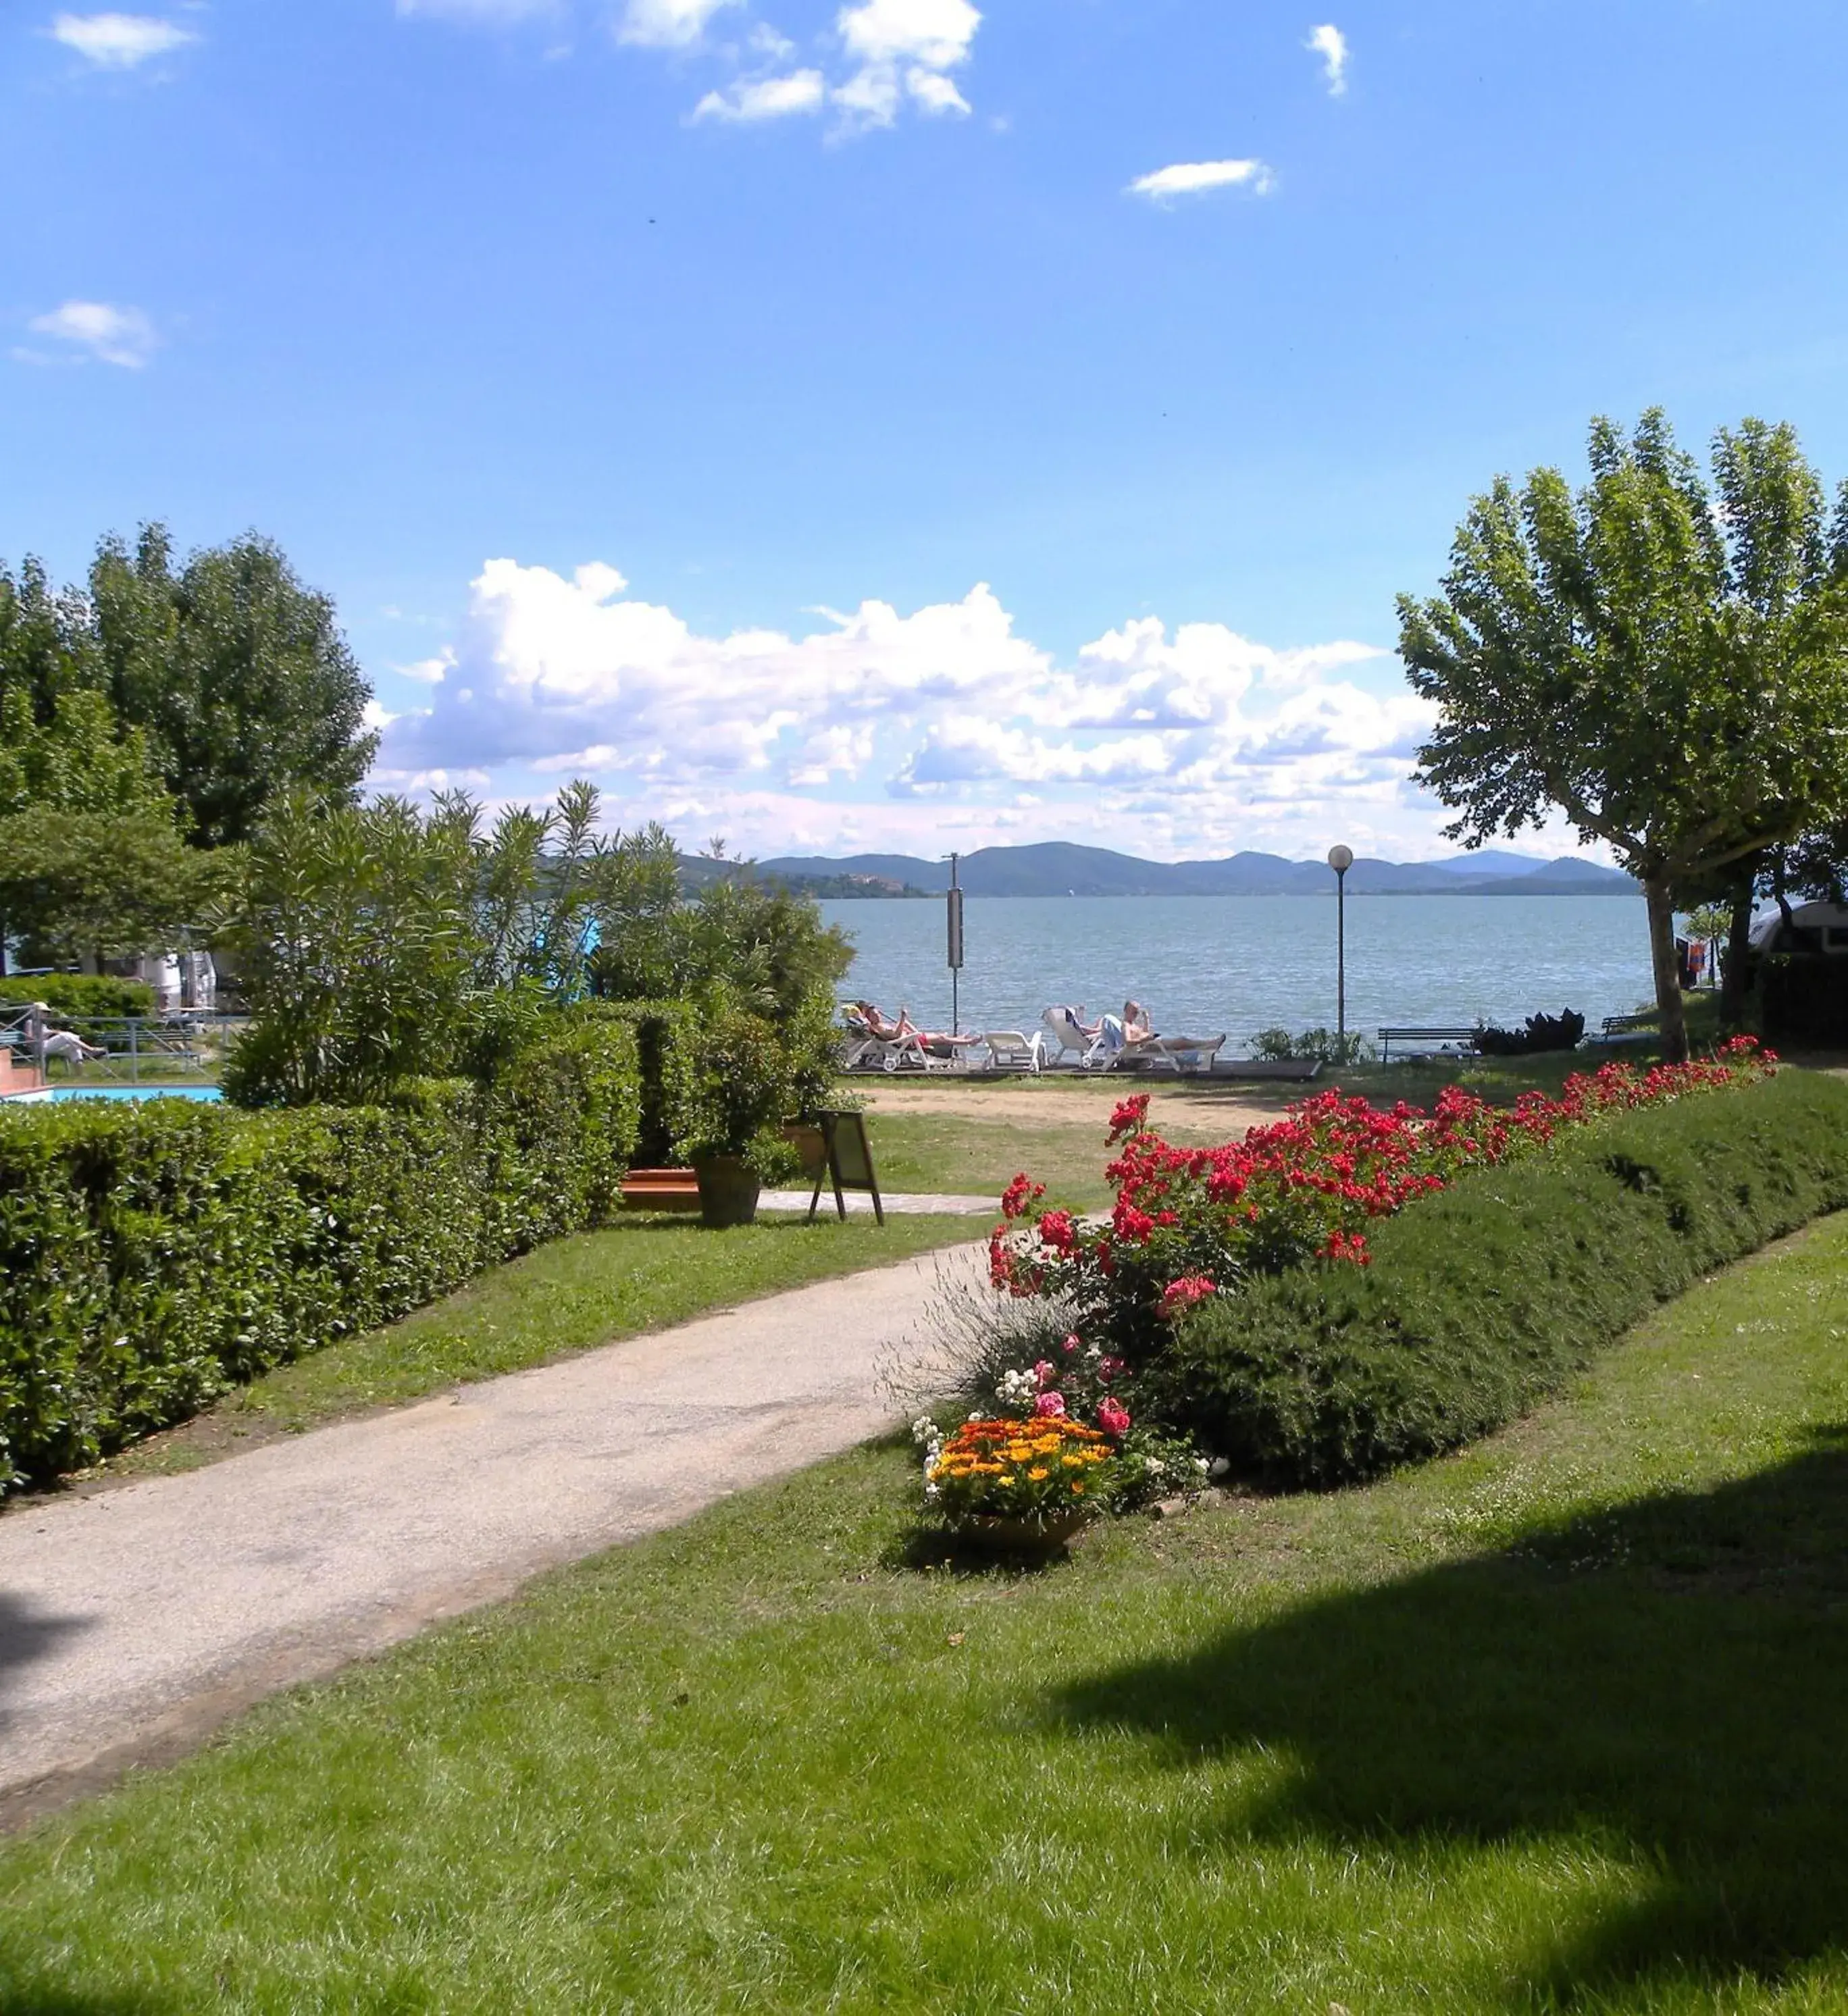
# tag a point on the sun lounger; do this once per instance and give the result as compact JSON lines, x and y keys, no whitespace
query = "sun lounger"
{"x":1062,"y":1026}
{"x":1008,"y":1049}
{"x":1175,"y":1053}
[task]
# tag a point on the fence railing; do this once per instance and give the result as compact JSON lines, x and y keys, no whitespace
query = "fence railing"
{"x":133,"y":1047}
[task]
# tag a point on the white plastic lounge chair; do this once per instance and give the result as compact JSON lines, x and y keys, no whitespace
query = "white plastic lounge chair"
{"x":1062,"y":1025}
{"x":1177,"y":1053}
{"x":859,"y":1048}
{"x":1008,"y":1049}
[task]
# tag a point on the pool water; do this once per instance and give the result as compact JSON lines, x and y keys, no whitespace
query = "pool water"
{"x":62,"y":1092}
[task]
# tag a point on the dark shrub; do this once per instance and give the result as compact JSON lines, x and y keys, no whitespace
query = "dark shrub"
{"x":1542,"y":1032}
{"x":1482,"y":1299}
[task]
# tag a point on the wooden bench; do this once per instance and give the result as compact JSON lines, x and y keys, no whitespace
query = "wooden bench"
{"x":1420,"y":1042}
{"x":1626,"y":1029}
{"x":661,"y":1190}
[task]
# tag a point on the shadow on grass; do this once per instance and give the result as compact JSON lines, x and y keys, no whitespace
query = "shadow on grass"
{"x":30,"y":1998}
{"x":1670,"y":1676}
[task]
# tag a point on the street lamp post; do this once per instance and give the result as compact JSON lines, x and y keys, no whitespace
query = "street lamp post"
{"x":1341,"y":859}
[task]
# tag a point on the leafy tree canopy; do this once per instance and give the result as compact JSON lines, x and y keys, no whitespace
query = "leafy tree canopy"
{"x":1664,"y":661}
{"x":238,"y":673}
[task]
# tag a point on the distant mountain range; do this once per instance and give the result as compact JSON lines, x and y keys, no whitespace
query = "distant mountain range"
{"x":1058,"y":868}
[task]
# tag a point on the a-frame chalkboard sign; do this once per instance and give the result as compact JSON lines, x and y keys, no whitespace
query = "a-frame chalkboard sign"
{"x":849,"y":1164}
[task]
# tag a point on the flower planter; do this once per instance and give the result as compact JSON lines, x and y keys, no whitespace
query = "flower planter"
{"x":728,"y":1190}
{"x":1024,"y":1538}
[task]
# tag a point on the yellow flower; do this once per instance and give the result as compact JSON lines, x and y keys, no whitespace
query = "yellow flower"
{"x":1046,"y":1446}
{"x":1072,"y":1462}
{"x":1017,"y":1452}
{"x":1006,"y":1477}
{"x":1039,"y":1473}
{"x":1077,"y":1490}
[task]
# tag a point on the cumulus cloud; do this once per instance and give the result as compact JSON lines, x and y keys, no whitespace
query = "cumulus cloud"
{"x":1179,"y":732}
{"x":668,"y":24}
{"x":904,"y":49}
{"x":1331,"y":45}
{"x":1195,"y":177}
{"x":765,"y":98}
{"x":111,"y":335}
{"x":120,"y":42}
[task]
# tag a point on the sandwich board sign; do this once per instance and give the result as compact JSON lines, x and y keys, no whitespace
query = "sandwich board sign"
{"x":849,"y":1165}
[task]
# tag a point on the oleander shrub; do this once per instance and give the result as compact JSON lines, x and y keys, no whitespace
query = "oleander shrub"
{"x":151,"y":1255}
{"x":1482,"y":1299}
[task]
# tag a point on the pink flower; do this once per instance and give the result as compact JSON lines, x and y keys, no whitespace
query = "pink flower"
{"x":1046,"y":1371}
{"x":1182,"y":1295}
{"x":1072,"y":1341}
{"x":1113,"y":1417}
{"x":1050,"y":1403}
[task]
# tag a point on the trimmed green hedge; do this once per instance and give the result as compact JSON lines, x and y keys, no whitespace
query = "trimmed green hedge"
{"x":1483,"y":1299}
{"x":668,"y":1036}
{"x":78,"y":997}
{"x":152,"y":1254}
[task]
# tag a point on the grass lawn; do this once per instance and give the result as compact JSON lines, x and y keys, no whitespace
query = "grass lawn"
{"x":957,"y":1154}
{"x":589,"y":1289}
{"x":1556,"y":1724}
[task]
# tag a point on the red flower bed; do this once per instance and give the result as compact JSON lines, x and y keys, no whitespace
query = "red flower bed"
{"x":1189,"y":1222}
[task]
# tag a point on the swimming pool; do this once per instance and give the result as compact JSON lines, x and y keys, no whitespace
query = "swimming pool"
{"x":62,"y":1092}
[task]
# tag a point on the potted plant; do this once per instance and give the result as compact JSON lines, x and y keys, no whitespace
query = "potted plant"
{"x":1025,"y":1485}
{"x":729,"y":1124}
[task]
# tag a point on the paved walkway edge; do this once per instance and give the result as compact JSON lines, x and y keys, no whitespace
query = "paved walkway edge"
{"x":135,"y":1622}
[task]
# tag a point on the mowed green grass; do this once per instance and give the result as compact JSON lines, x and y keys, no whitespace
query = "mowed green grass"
{"x":1557,"y":1724}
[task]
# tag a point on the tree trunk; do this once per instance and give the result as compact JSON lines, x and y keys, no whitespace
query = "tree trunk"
{"x":1660,"y":900}
{"x":1739,"y":957}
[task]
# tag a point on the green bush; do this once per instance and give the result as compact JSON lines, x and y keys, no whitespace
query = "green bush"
{"x":78,"y":997}
{"x":667,"y":1036}
{"x":1482,"y":1299}
{"x":150,"y":1255}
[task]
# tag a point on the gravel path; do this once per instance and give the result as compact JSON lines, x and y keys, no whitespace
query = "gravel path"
{"x":133,"y":1622}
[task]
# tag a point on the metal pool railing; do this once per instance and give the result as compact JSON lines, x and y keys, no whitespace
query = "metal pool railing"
{"x":136,"y":1048}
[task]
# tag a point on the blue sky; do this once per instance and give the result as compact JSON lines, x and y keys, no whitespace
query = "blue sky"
{"x":899,"y":423}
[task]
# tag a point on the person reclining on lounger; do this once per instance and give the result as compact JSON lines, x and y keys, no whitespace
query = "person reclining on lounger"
{"x":939,"y":1041}
{"x":64,"y":1044}
{"x":1132,"y":1029}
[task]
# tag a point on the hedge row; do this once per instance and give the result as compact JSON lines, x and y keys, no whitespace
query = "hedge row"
{"x":667,"y":1050}
{"x":1483,"y":1299}
{"x":77,"y":996}
{"x":150,"y":1255}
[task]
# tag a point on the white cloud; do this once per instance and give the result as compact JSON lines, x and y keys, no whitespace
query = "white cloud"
{"x":765,"y":98}
{"x":1192,"y":178}
{"x":903,"y":47}
{"x":934,"y":32}
{"x":1331,"y":45}
{"x":120,"y":42}
{"x":1162,"y":739}
{"x":111,"y":335}
{"x":668,"y":24}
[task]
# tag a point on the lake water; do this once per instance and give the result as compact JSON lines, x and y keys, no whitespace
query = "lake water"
{"x":1200,"y":964}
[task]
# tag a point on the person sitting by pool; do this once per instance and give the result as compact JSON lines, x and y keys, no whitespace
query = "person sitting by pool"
{"x":66,"y":1045}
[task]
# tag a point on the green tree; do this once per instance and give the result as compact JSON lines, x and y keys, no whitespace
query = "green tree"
{"x":1665,"y":664}
{"x":238,"y":673}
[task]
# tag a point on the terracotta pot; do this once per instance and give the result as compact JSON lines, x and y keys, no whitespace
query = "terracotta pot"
{"x":728,"y":1190}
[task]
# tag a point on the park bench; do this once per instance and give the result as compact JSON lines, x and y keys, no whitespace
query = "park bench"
{"x":1626,"y":1029}
{"x":1420,"y":1042}
{"x":661,"y":1190}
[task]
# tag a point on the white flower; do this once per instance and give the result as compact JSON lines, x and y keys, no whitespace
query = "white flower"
{"x":1015,"y":1389}
{"x":924,"y":1429}
{"x":1219,"y":1466}
{"x":1201,"y":1465}
{"x":975,"y":1413}
{"x":1157,"y":1467}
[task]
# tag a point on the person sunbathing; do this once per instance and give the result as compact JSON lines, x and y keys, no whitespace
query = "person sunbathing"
{"x":940,"y":1041}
